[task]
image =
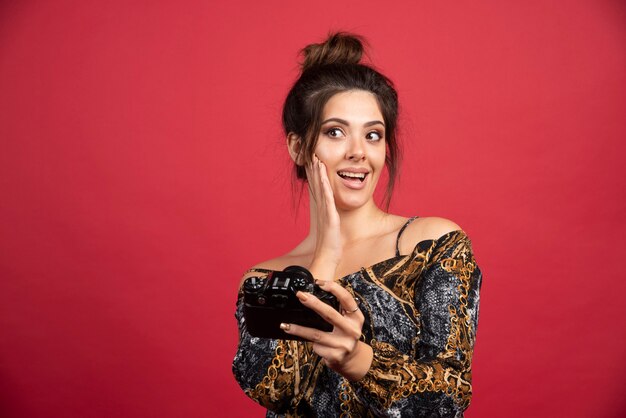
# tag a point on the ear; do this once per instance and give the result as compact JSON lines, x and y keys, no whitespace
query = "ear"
{"x":294,"y":144}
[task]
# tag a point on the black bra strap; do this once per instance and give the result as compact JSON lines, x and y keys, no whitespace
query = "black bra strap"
{"x":401,"y":231}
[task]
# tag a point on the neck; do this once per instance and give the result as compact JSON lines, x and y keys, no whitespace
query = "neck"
{"x":356,"y":224}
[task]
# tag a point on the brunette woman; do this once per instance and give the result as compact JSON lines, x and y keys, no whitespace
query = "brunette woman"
{"x":408,"y":288}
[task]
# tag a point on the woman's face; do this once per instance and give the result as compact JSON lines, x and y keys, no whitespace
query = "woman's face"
{"x":351,"y":144}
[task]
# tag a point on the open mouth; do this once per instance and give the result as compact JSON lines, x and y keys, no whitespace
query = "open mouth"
{"x":352,"y":176}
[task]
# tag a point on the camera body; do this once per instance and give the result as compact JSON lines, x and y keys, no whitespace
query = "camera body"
{"x":268,"y":302}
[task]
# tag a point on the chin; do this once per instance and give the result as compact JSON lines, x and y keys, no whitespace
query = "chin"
{"x":352,"y":201}
{"x":350,"y":204}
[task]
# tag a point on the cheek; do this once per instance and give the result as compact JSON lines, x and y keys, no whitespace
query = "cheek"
{"x":378,"y":159}
{"x":328,"y":155}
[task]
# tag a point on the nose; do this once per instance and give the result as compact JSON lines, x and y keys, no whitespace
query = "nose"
{"x":355,"y":150}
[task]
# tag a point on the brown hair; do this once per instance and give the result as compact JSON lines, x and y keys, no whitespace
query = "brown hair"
{"x":332,"y":67}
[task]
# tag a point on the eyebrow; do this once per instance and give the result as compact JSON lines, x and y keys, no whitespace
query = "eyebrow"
{"x":345,"y":122}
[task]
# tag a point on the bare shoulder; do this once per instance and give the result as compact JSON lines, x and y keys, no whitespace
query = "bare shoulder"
{"x":435,"y":227}
{"x":277,"y":264}
{"x":432,"y":227}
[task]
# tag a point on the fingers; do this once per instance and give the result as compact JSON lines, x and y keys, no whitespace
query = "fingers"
{"x":327,"y":312}
{"x":311,"y":334}
{"x":322,"y":192}
{"x":322,"y":184}
{"x":313,"y":177}
{"x":337,"y":346}
{"x":326,"y":344}
{"x":345,"y":298}
{"x":327,"y":191}
{"x":347,"y":326}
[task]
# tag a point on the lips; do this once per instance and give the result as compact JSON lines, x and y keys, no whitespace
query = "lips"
{"x":350,"y":175}
{"x":353,"y":179}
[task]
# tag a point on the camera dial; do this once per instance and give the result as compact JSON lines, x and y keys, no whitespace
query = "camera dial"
{"x":300,"y":283}
{"x":253,"y":284}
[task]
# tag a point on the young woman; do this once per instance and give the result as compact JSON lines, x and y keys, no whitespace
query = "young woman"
{"x":408,"y":288}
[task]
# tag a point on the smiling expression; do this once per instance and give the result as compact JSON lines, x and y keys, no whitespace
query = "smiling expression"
{"x":351,"y":144}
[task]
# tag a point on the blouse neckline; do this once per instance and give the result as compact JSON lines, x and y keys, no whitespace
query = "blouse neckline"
{"x":460,"y":231}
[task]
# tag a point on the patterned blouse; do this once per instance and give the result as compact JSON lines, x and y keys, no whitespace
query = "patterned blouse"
{"x":421,"y":312}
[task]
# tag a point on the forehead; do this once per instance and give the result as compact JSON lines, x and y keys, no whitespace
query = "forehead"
{"x":354,"y":105}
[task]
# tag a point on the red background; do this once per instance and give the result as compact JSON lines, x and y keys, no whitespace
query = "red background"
{"x":143,"y":169}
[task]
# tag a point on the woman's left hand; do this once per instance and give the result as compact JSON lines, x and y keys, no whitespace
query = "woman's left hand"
{"x":341,"y":349}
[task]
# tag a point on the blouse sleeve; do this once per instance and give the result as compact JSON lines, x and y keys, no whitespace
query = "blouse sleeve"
{"x":435,"y":379}
{"x":274,"y":373}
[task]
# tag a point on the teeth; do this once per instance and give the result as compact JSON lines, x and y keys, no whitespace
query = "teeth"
{"x":354,"y":175}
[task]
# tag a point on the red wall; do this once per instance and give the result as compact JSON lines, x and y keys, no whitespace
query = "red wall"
{"x":142,"y":170}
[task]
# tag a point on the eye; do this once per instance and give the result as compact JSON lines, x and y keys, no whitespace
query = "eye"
{"x":374,"y":136}
{"x":334,"y":133}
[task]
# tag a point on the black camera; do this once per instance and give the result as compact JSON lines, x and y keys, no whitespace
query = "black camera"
{"x":269,"y":301}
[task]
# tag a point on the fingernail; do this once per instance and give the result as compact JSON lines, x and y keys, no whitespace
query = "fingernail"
{"x":320,"y":282}
{"x":285,"y":327}
{"x":302,"y":296}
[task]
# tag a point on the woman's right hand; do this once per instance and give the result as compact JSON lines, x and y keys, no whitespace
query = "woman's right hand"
{"x":328,"y":243}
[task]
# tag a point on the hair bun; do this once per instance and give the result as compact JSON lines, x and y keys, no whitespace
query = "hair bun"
{"x":339,"y":48}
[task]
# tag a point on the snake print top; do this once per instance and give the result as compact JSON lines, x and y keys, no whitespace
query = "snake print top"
{"x":421,"y":313}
